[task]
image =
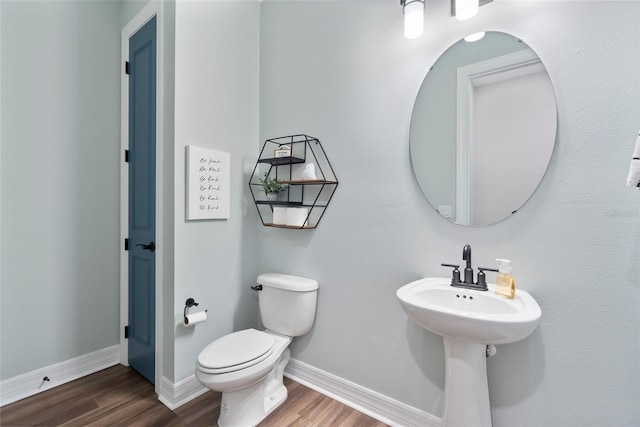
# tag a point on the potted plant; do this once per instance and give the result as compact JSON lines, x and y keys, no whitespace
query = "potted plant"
{"x":271,"y":187}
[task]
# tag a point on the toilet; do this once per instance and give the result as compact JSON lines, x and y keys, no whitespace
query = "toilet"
{"x":247,"y":366}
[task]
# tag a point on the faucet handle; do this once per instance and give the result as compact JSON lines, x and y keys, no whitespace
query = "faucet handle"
{"x":482,"y":278}
{"x":455,"y":277}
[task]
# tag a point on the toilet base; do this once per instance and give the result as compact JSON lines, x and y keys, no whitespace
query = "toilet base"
{"x":248,"y":407}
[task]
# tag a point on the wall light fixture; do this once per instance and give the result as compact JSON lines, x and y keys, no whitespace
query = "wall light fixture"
{"x":413,"y":18}
{"x":414,"y":14}
{"x":466,"y":9}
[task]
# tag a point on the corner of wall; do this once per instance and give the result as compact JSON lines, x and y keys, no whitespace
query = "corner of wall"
{"x":168,"y":223}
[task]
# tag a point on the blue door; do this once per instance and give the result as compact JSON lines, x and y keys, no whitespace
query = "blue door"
{"x":142,"y":200}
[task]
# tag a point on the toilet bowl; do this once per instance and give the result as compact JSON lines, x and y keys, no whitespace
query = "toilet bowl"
{"x":248,"y":366}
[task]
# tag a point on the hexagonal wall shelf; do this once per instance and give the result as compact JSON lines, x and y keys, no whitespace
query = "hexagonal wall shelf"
{"x":299,"y":164}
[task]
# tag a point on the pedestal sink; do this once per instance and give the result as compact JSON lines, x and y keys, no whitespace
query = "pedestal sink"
{"x":468,"y":320}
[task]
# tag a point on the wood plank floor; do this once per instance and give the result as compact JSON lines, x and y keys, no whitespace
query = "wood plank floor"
{"x":119,"y":396}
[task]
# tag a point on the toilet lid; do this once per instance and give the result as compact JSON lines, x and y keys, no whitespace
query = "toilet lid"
{"x":245,"y":348}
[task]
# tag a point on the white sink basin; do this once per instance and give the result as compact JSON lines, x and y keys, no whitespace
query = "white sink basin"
{"x":469,"y":315}
{"x":468,"y":321}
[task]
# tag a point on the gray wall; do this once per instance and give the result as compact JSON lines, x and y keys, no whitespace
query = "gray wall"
{"x":60,"y":186}
{"x":342,"y":71}
{"x":61,"y":168}
{"x":216,"y":106}
{"x":168,"y":353}
{"x":130,"y":8}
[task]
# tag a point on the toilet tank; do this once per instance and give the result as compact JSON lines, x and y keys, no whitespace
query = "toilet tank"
{"x":287,"y":303}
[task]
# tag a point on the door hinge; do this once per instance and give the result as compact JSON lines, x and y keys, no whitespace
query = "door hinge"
{"x":126,"y":156}
{"x":127,"y":67}
{"x":126,"y":244}
{"x":126,"y":331}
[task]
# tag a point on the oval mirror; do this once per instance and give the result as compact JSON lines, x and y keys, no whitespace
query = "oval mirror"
{"x":483,"y":129}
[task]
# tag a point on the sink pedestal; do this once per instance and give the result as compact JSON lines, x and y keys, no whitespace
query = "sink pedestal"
{"x":468,"y":321}
{"x":466,"y":387}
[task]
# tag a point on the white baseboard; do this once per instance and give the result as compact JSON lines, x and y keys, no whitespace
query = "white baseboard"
{"x":374,"y":404}
{"x":175,"y":395}
{"x":30,"y":383}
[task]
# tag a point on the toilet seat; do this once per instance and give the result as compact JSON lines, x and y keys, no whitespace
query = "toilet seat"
{"x":236,"y":351}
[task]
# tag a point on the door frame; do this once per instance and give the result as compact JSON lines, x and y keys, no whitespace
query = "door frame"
{"x":467,"y":78}
{"x":154,"y":8}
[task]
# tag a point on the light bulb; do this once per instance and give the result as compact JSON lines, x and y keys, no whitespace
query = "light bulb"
{"x":466,"y":9}
{"x":413,"y":19}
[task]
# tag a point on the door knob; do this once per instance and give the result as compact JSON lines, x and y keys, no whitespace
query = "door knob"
{"x":151,"y":246}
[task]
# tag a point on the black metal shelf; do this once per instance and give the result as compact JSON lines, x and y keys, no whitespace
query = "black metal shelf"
{"x":292,"y":204}
{"x":313,"y":195}
{"x":307,"y":182}
{"x":278,"y":203}
{"x":277,"y":161}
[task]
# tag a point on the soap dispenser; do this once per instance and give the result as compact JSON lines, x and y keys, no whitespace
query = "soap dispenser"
{"x":505,"y":284}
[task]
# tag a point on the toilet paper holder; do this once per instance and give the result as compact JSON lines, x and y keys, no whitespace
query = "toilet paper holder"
{"x":188,"y":304}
